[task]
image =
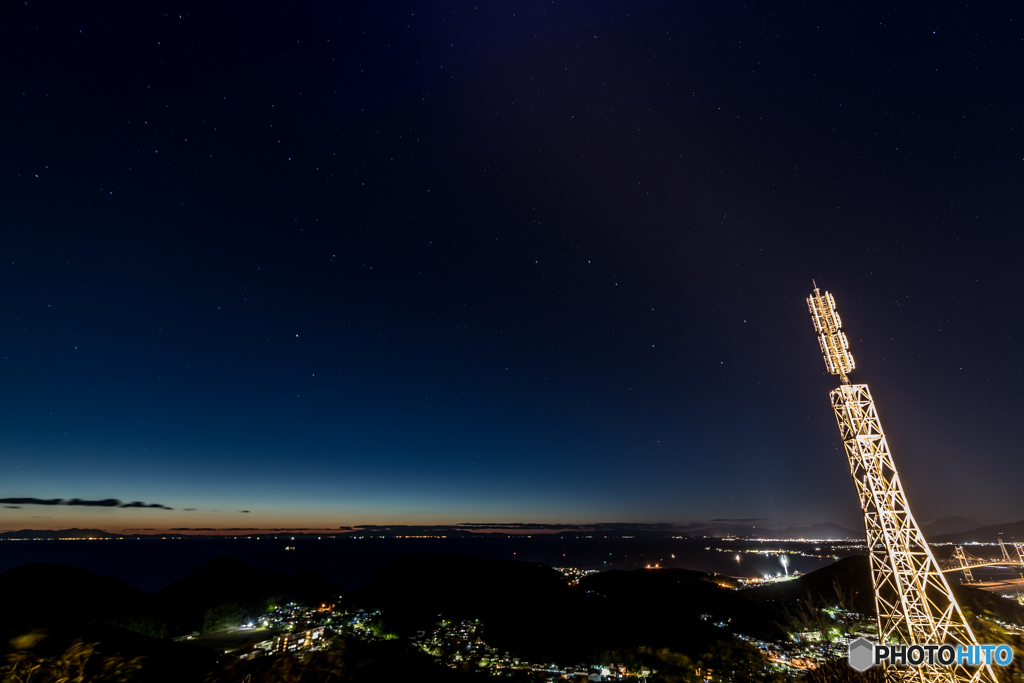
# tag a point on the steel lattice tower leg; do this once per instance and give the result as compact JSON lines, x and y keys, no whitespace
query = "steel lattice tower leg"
{"x":912,"y":598}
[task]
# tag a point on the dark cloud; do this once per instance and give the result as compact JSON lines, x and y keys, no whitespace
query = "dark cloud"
{"x":189,"y":509}
{"x":31,"y":501}
{"x":243,"y":511}
{"x":187,"y":528}
{"x":140,"y":504}
{"x":105,"y":503}
{"x":13,"y":507}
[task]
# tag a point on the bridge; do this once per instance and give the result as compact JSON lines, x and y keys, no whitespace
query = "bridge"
{"x":963,"y":561}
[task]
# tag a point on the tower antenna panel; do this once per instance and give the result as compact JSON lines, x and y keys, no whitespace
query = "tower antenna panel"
{"x":835,"y":347}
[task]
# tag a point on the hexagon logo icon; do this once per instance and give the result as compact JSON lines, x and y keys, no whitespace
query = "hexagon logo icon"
{"x":862,"y":654}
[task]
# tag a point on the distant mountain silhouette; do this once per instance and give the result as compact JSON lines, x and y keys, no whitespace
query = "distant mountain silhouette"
{"x":1012,"y":532}
{"x":953,"y":524}
{"x":56,"y":534}
{"x":827,"y":530}
{"x":726,"y":528}
{"x":712,"y":529}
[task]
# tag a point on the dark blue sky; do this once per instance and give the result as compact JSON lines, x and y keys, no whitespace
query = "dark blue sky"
{"x":337,"y":263}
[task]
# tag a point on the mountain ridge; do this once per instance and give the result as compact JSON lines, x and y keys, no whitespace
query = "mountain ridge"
{"x":953,"y":524}
{"x":714,"y":529}
{"x":1012,"y":532}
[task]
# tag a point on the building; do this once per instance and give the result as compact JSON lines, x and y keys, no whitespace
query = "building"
{"x":294,"y":641}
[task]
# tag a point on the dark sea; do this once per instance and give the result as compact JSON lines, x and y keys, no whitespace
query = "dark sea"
{"x":351,"y":563}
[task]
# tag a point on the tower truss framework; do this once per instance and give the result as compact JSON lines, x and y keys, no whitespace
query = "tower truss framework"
{"x":913,"y":601}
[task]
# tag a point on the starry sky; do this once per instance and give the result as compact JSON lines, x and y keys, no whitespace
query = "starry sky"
{"x":317,"y":264}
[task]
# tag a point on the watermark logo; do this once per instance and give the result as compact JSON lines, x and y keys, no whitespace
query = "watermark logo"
{"x":864,"y":654}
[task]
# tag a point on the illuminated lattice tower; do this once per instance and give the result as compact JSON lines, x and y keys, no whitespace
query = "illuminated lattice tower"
{"x":913,"y":600}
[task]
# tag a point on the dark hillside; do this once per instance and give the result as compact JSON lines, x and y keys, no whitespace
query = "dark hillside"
{"x":529,"y":609}
{"x":70,"y":603}
{"x":225,"y":592}
{"x":162,"y":660}
{"x":985,"y":603}
{"x":658,"y":593}
{"x":853,"y":576}
{"x":516,"y":599}
{"x":40,"y":595}
{"x":221,"y":593}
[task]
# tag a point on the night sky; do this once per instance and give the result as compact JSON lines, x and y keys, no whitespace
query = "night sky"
{"x":317,"y":264}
